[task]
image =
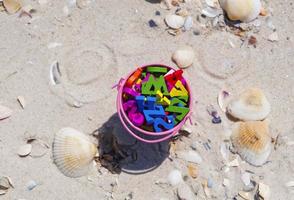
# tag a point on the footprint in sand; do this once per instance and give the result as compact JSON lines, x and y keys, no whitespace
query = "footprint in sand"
{"x":223,"y":62}
{"x":87,"y":73}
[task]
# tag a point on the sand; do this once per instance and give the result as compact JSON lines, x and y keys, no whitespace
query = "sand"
{"x":95,"y":47}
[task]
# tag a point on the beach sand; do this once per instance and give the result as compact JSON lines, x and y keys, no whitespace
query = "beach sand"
{"x":96,"y":46}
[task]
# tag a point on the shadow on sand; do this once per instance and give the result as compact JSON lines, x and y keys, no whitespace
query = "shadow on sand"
{"x":119,"y":151}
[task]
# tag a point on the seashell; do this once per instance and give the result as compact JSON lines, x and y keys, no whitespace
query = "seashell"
{"x":175,"y":177}
{"x":174,"y":21}
{"x":5,"y":112}
{"x":4,"y":183}
{"x":73,"y":152}
{"x":183,"y":56}
{"x":243,"y":10}
{"x":184,"y":192}
{"x":24,"y":150}
{"x":12,"y":6}
{"x":226,"y":182}
{"x":222,"y":99}
{"x":252,"y":141}
{"x":192,"y":170}
{"x":264,"y":191}
{"x":250,"y":105}
{"x":289,"y":184}
{"x":22,"y":102}
{"x":245,"y":177}
{"x":210,"y":12}
{"x":233,"y":163}
{"x":190,"y":156}
{"x":188,"y":23}
{"x":31,"y":185}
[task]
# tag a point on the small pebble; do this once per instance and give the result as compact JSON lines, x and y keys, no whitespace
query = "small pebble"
{"x":31,"y":185}
{"x":157,"y":13}
{"x":152,"y":23}
{"x":216,"y":120}
{"x":209,"y":183}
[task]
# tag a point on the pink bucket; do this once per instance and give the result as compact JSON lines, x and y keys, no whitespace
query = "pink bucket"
{"x":143,"y":135}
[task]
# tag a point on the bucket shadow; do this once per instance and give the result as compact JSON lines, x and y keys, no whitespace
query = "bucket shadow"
{"x":119,"y":151}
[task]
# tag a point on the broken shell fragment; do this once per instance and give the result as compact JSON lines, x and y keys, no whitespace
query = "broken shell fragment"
{"x":73,"y":152}
{"x":222,"y":99}
{"x":5,"y":112}
{"x":188,"y":23}
{"x":190,"y":156}
{"x":4,"y":183}
{"x":184,"y":192}
{"x":175,"y":177}
{"x":250,"y":105}
{"x":184,"y":56}
{"x":21,"y":101}
{"x":24,"y":150}
{"x":252,"y":141}
{"x":174,"y":21}
{"x":12,"y":6}
{"x":264,"y":191}
{"x":192,"y":170}
{"x":243,"y":10}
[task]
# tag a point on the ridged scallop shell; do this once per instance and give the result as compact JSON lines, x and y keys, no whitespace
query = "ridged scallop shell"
{"x":184,"y":56}
{"x":175,"y":21}
{"x":73,"y":152}
{"x":252,"y":141}
{"x":243,"y":10}
{"x":250,"y":105}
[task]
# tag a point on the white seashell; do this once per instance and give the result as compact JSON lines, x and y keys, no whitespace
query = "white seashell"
{"x":233,"y":163}
{"x":244,"y":195}
{"x":21,"y":100}
{"x":184,"y":192}
{"x":252,"y":141}
{"x":243,"y":10}
{"x":188,"y":23}
{"x":24,"y":150}
{"x":175,"y":177}
{"x":190,"y":156}
{"x":174,"y":21}
{"x":222,"y":99}
{"x":212,"y":3}
{"x":290,"y":184}
{"x":273,"y":37}
{"x":250,"y":105}
{"x":73,"y":152}
{"x":210,"y":12}
{"x":226,"y":182}
{"x":5,"y":112}
{"x":264,"y":191}
{"x":245,"y":177}
{"x":54,"y":73}
{"x":184,"y":56}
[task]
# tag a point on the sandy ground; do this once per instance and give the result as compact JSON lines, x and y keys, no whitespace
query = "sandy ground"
{"x":102,"y":43}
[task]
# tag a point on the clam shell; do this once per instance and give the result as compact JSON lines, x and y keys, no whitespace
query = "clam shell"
{"x":174,"y":21}
{"x":24,"y":150}
{"x":243,"y":10}
{"x":252,"y":141}
{"x":5,"y":112}
{"x":184,"y":56}
{"x":250,"y":105}
{"x":73,"y":152}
